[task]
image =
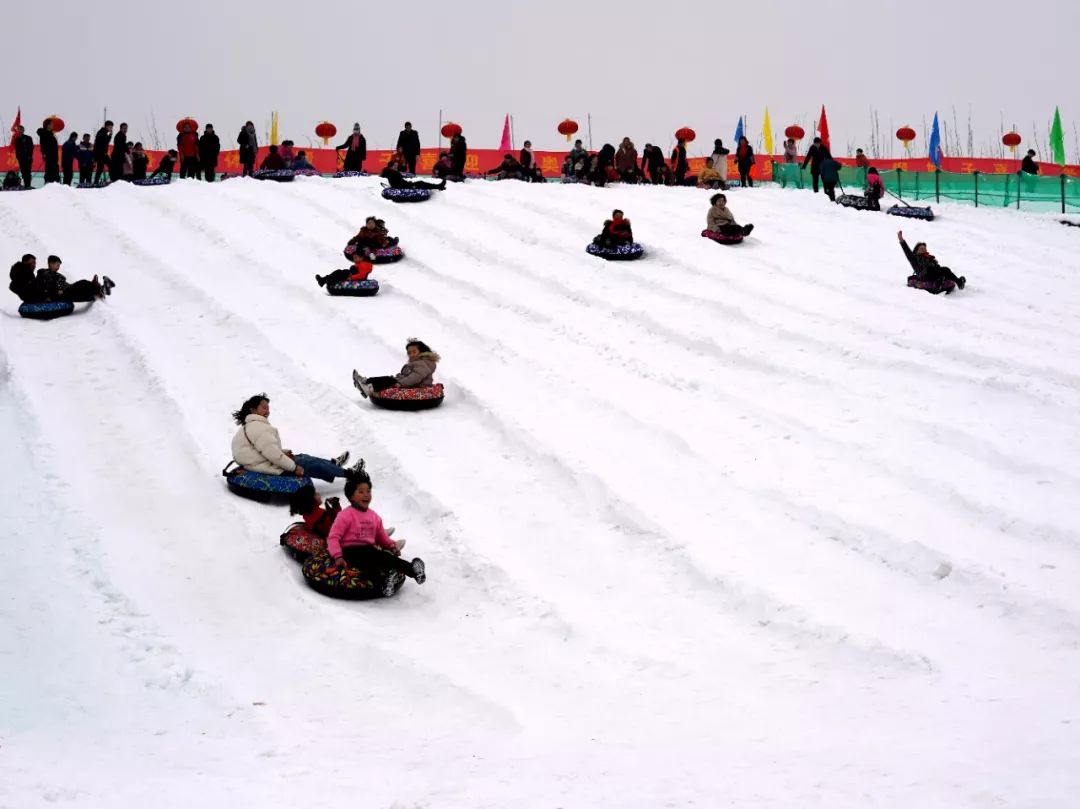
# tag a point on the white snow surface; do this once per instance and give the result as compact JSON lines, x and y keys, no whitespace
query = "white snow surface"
{"x":750,"y":526}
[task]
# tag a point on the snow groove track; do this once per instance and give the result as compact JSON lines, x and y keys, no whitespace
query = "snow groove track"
{"x":757,"y":522}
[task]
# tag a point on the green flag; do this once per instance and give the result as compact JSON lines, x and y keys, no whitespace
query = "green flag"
{"x":1057,"y":139}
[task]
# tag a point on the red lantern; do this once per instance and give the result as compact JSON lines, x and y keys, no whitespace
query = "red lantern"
{"x":905,"y":134}
{"x":568,"y":128}
{"x":57,"y":123}
{"x":189,"y":122}
{"x":795,"y":132}
{"x":450,"y":129}
{"x":686,"y":133}
{"x":326,"y":130}
{"x":1012,"y":140}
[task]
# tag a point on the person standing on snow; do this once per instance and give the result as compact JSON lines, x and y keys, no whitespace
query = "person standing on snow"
{"x":791,"y":152}
{"x":626,"y":161}
{"x":86,"y":160}
{"x":815,"y":156}
{"x":719,"y":160}
{"x":50,"y":151}
{"x":119,"y":150}
{"x":187,"y":146}
{"x":209,"y":149}
{"x":24,"y":154}
{"x":744,"y":159}
{"x":249,"y":148}
{"x":679,"y":164}
{"x":68,"y":152}
{"x":356,"y":150}
{"x":408,"y":143}
{"x":459,"y":155}
{"x":830,"y":176}
{"x":101,"y":150}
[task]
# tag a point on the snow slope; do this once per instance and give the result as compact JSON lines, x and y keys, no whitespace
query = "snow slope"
{"x":751,"y":526}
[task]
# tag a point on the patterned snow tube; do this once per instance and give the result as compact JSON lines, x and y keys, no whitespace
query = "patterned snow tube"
{"x":424,"y":398}
{"x":323,"y":575}
{"x":624,"y":252}
{"x":16,"y":188}
{"x":152,"y":181}
{"x":722,"y":238}
{"x":933,"y":287}
{"x":912,"y":212}
{"x":46,"y":311}
{"x":277,"y":175}
{"x":342,"y":174}
{"x":98,"y":184}
{"x":852,"y":201}
{"x":300,"y":542}
{"x":355,"y":289}
{"x":306,"y":173}
{"x":262,"y":487}
{"x":406,"y":194}
{"x":384,"y":255}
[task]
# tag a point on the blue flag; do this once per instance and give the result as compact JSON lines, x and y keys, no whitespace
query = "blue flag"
{"x":738,"y":131}
{"x":935,"y":144}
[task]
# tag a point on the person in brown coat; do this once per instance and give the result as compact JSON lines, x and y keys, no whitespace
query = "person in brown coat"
{"x":418,"y":372}
{"x":626,"y":161}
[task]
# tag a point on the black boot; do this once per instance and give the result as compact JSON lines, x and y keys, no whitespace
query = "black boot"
{"x":961,"y":282}
{"x":320,"y":279}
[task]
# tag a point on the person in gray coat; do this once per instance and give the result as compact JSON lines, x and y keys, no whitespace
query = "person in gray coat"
{"x":418,"y":372}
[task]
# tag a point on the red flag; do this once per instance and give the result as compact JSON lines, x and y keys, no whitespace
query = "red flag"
{"x":823,"y":129}
{"x":504,"y":142}
{"x":15,"y":126}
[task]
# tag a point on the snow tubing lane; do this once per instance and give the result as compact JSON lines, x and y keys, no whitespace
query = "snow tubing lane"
{"x":355,"y":289}
{"x":277,"y":175}
{"x":425,"y":398}
{"x":262,"y":487}
{"x":722,"y":238}
{"x":300,"y":542}
{"x":406,"y":194}
{"x":933,"y":287}
{"x":624,"y":252}
{"x":46,"y":311}
{"x":912,"y":212}
{"x":323,"y":575}
{"x":852,"y":201}
{"x":384,"y":255}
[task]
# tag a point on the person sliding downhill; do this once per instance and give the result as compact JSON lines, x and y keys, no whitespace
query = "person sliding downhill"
{"x":616,"y":232}
{"x":929,"y":275}
{"x":361,"y":269}
{"x":720,"y":219}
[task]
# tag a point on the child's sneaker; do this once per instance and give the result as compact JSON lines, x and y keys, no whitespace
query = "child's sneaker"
{"x":390,"y":532}
{"x":418,"y":571}
{"x":360,"y":383}
{"x":341,"y":459}
{"x":357,"y":468}
{"x":392,"y":583}
{"x":961,"y":282}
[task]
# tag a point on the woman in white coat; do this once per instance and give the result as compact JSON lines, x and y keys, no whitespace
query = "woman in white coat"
{"x":257,"y":447}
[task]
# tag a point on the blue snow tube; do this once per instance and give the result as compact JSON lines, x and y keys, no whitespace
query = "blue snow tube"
{"x":163,"y":180}
{"x":339,"y":175}
{"x":912,"y":212}
{"x":406,"y":194}
{"x":624,"y":252}
{"x":260,"y":486}
{"x":383,"y":255}
{"x":46,"y":311}
{"x":355,"y":289}
{"x":277,"y":175}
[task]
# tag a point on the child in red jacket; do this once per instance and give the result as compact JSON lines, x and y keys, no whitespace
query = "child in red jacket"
{"x":361,"y":269}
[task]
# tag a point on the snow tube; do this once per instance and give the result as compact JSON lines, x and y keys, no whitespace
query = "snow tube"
{"x":384,"y":255}
{"x":912,"y":212}
{"x":406,"y":194}
{"x":300,"y":542}
{"x":339,"y":175}
{"x":424,"y":398}
{"x":624,"y":252}
{"x":852,"y":201}
{"x":305,"y":173}
{"x":17,"y":188}
{"x":46,"y":311}
{"x":945,"y":285}
{"x":277,"y":175}
{"x":355,"y":289}
{"x":324,"y":575}
{"x":722,"y":238}
{"x":152,"y":181}
{"x":261,"y":486}
{"x":98,"y":184}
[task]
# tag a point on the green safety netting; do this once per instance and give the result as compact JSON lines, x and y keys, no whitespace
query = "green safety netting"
{"x":1026,"y":191}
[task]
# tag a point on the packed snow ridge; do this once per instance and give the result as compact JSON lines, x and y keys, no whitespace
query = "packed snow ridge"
{"x":750,"y":526}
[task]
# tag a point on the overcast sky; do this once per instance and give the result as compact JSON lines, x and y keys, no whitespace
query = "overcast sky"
{"x":641,"y":69}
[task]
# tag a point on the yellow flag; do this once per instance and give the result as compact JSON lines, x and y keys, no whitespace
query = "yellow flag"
{"x":766,"y":133}
{"x":273,"y":129}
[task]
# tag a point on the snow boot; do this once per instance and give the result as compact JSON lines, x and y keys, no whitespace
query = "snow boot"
{"x":108,"y":284}
{"x":360,"y":383}
{"x":418,"y":570}
{"x":747,"y":230}
{"x":357,"y":468}
{"x":961,"y":282}
{"x":320,"y":279}
{"x":392,"y":582}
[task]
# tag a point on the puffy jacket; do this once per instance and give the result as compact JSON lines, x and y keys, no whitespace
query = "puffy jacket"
{"x":791,"y":153}
{"x":209,"y":149}
{"x":874,"y":185}
{"x":419,"y":372}
{"x":626,"y":158}
{"x":709,"y":175}
{"x":718,"y":216}
{"x":257,"y":447}
{"x":101,"y":145}
{"x":354,"y":526}
{"x":187,"y":145}
{"x":830,"y":171}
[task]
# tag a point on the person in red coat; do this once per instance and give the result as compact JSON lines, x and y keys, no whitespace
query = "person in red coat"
{"x":187,"y":146}
{"x":616,"y":231}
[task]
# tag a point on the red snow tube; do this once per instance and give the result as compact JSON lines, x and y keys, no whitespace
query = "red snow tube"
{"x":722,"y":238}
{"x":300,"y":542}
{"x":424,"y":398}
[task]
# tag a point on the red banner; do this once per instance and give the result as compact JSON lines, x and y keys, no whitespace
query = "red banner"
{"x":327,"y":161}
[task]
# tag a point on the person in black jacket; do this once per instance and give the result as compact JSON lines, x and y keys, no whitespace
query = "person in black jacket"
{"x":24,"y":153}
{"x":119,"y":152}
{"x":85,"y":156}
{"x":929,"y":275}
{"x":1028,"y":165}
{"x":652,"y":163}
{"x":408,"y":142}
{"x":679,"y":164}
{"x":249,"y":148}
{"x":22,"y":280}
{"x":165,"y":167}
{"x":53,"y":286}
{"x":209,"y":149}
{"x":395,"y":180}
{"x":459,"y":151}
{"x":50,"y":151}
{"x":744,"y":159}
{"x":815,"y":156}
{"x":356,"y":150}
{"x":101,"y":150}
{"x":68,"y":153}
{"x":140,"y":162}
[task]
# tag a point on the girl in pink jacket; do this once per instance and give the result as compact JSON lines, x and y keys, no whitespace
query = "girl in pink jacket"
{"x":358,"y":539}
{"x":875,"y":189}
